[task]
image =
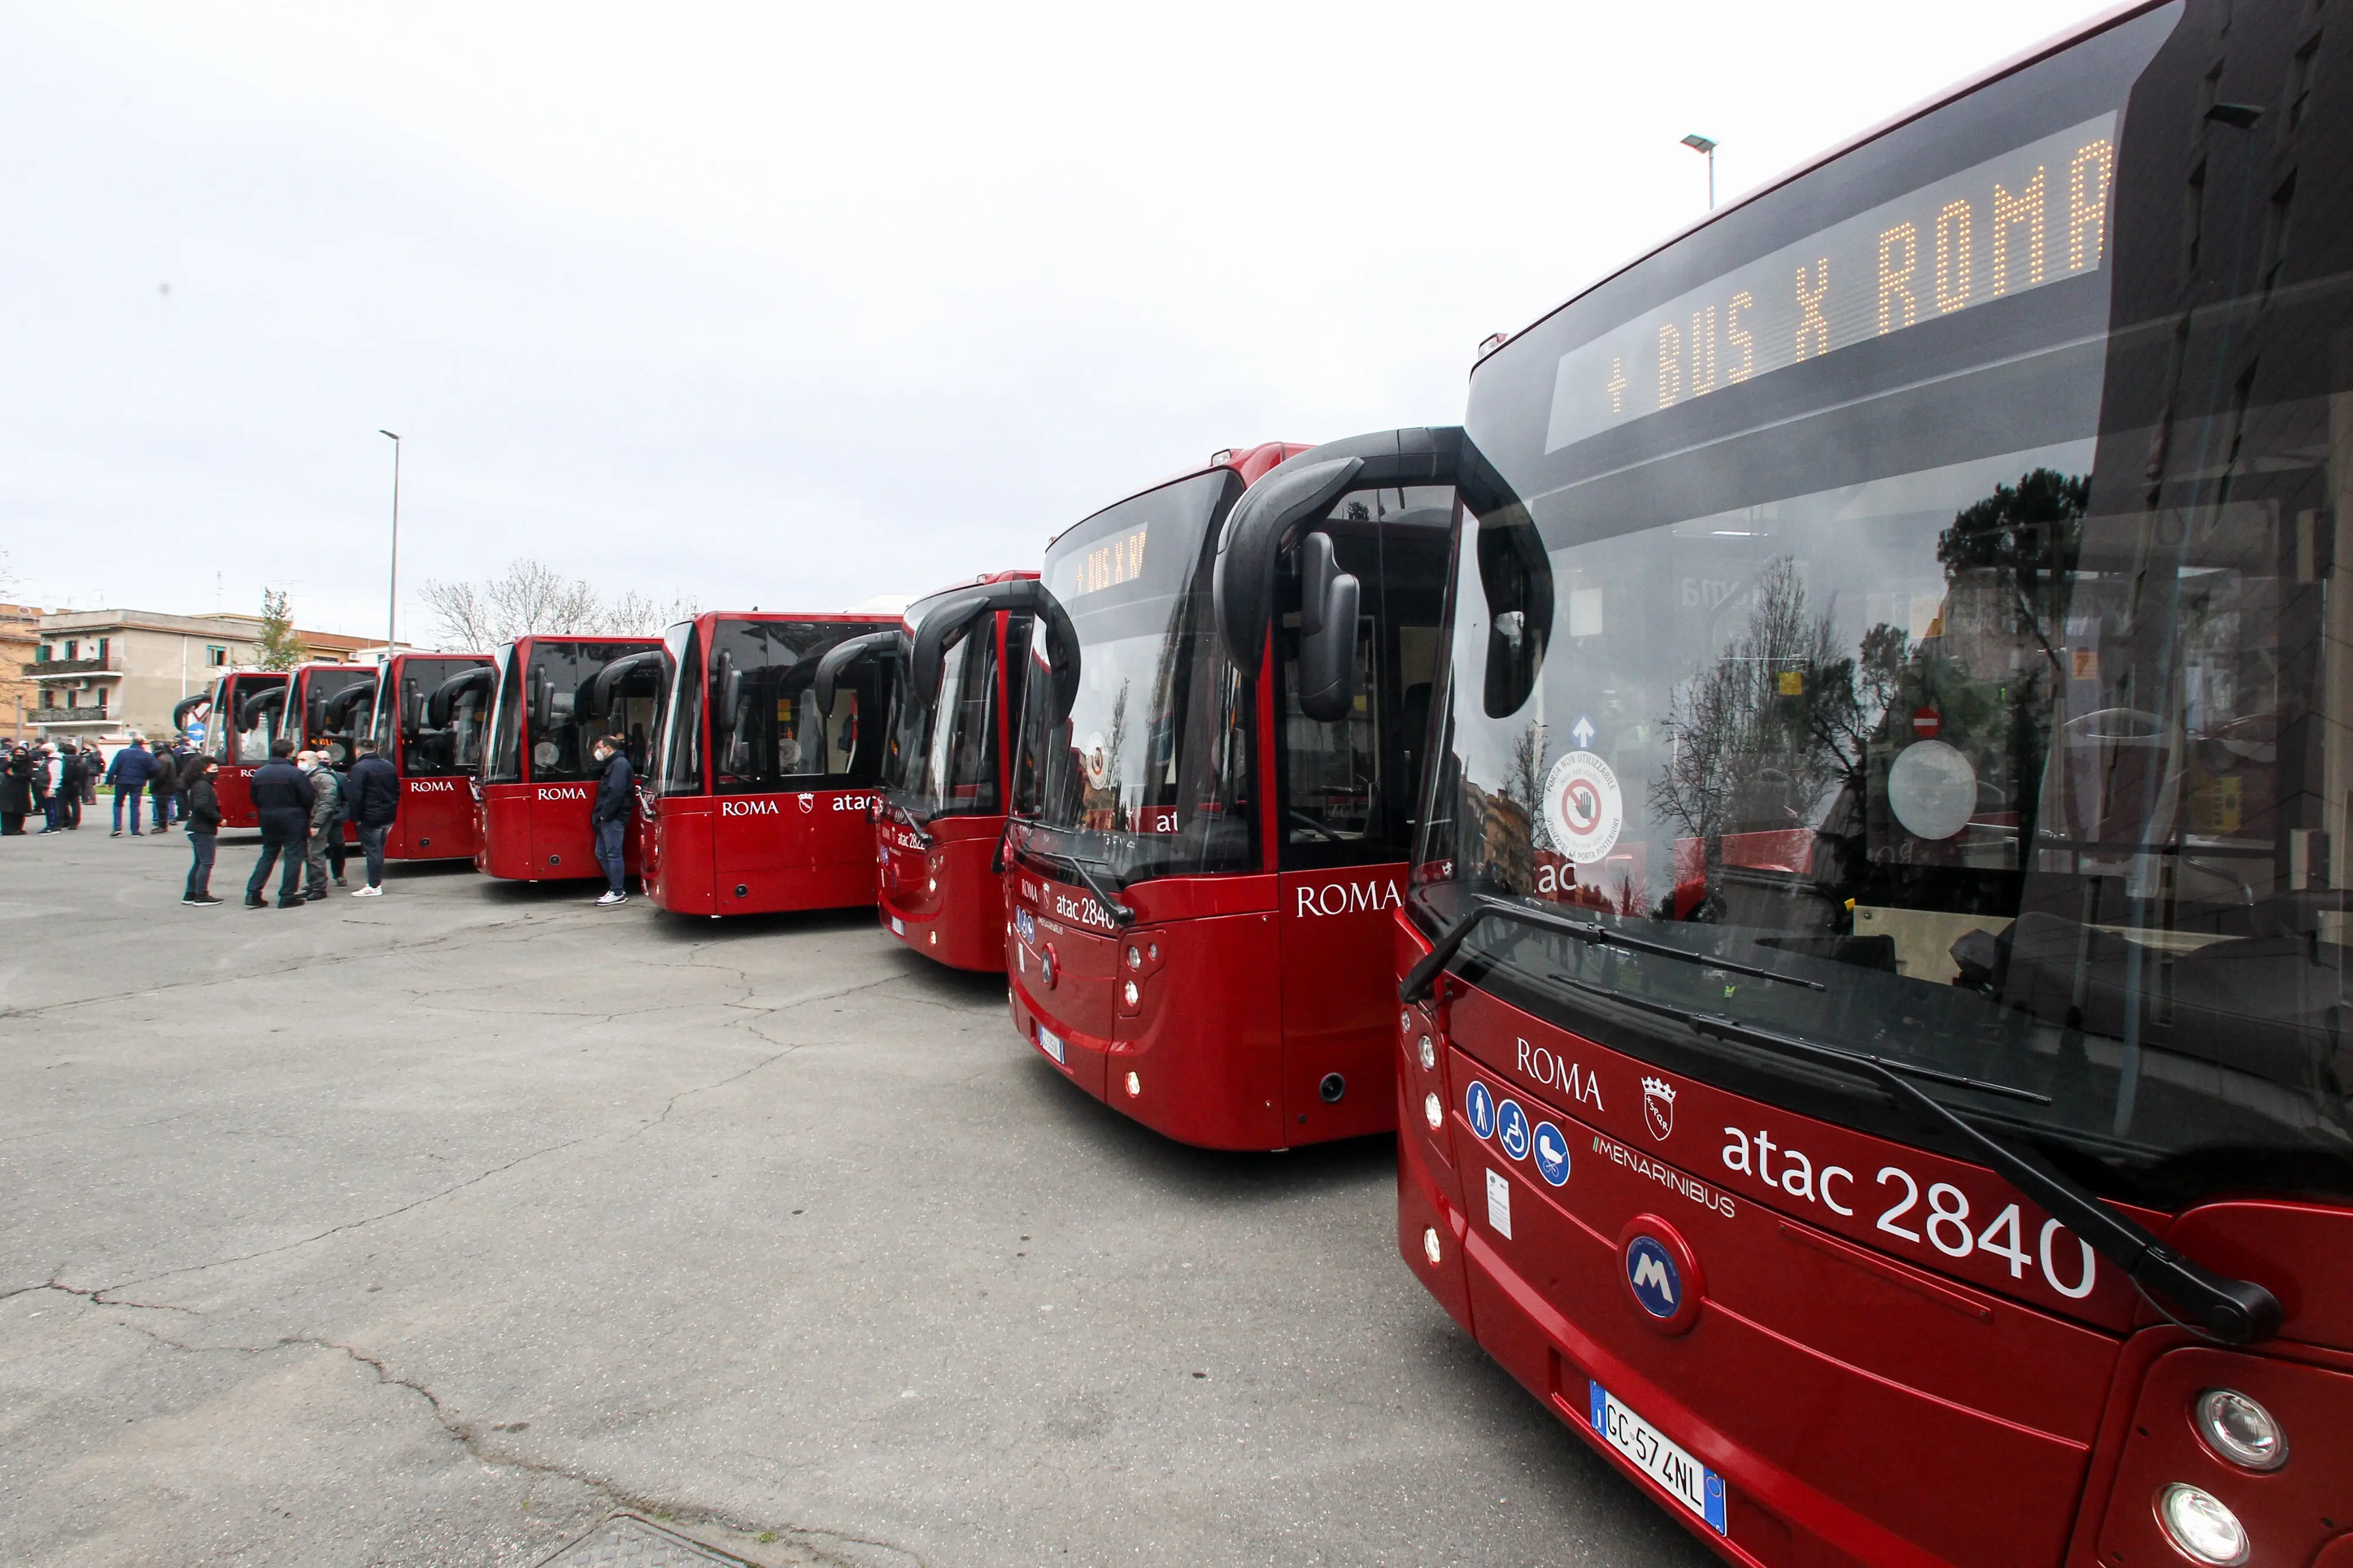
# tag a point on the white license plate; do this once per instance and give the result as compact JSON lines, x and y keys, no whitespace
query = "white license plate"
{"x":898,"y":926}
{"x":1690,"y":1483}
{"x":1051,"y":1044}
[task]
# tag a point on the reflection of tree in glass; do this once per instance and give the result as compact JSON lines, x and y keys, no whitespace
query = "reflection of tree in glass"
{"x":1745,"y":751}
{"x":1523,"y":784}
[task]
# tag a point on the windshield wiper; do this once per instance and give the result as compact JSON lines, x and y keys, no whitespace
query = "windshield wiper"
{"x":1119,"y":913}
{"x":1424,"y":975}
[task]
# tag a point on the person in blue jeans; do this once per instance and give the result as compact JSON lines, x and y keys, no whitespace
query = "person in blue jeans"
{"x":203,"y":808}
{"x":372,"y":792}
{"x":610,"y":817}
{"x":129,"y":772}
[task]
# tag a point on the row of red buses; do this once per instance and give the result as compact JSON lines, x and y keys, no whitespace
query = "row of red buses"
{"x":948,"y":770}
{"x":429,"y":714}
{"x":551,"y":698}
{"x":1872,"y":1036}
{"x":1213,"y":807}
{"x":761,"y":789}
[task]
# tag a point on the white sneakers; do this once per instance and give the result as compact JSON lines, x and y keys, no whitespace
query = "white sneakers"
{"x":611,"y":899}
{"x":367,"y":892}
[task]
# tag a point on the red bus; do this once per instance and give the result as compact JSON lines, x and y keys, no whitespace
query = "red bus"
{"x":244,"y":709}
{"x":948,"y":770}
{"x":759,"y":796}
{"x":1873,"y":1041}
{"x":327,"y":705}
{"x":1212,"y":812}
{"x":430,"y":714}
{"x":553,"y":697}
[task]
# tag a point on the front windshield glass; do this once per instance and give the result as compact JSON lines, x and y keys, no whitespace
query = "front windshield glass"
{"x":400,"y":723}
{"x":316,"y":729}
{"x":1150,"y":776}
{"x":1956,"y":628}
{"x":502,"y":759}
{"x":231,"y":739}
{"x":767,"y":734}
{"x":943,"y":756}
{"x":559,"y":721}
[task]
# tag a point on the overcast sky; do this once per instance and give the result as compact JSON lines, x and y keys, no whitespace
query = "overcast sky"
{"x":790,"y":306}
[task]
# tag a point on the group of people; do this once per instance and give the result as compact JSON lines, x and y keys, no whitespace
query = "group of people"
{"x":302,"y":802}
{"x":55,"y":782}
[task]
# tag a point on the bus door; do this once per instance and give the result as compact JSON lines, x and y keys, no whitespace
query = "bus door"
{"x":1344,"y":789}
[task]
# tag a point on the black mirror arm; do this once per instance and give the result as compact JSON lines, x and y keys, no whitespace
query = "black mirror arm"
{"x":1121,"y":915}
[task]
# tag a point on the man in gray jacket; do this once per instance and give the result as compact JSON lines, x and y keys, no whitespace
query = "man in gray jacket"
{"x":326,"y":825}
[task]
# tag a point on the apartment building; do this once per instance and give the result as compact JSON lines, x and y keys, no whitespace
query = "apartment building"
{"x":104,"y":675}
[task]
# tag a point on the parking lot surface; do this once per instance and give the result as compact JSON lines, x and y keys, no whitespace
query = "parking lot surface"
{"x":433,"y":1230}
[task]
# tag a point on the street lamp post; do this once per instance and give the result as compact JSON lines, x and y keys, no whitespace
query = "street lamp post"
{"x":1699,"y":144}
{"x":392,"y":592}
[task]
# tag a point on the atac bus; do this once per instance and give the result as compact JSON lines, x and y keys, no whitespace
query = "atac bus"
{"x":242,"y":712}
{"x":327,"y":704}
{"x":553,"y":697}
{"x":1214,"y":796}
{"x":948,"y":770}
{"x":429,"y":718}
{"x":760,"y":795}
{"x":1875,"y":1040}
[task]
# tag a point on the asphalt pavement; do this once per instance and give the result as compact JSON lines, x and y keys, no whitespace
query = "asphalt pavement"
{"x":433,"y":1230}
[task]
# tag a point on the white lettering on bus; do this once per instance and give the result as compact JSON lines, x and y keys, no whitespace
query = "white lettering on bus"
{"x":1944,"y":1226}
{"x":1651,"y":1170}
{"x":750,"y":808}
{"x":1086,"y":912}
{"x":433,"y":786}
{"x":854,"y":803}
{"x":1341,"y":897}
{"x":563,"y":792}
{"x":1562,"y":1074}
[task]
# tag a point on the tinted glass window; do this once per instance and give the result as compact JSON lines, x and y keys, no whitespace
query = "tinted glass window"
{"x":502,"y":762}
{"x":231,"y":739}
{"x":944,"y":750}
{"x":401,"y":726}
{"x":1150,"y":775}
{"x":1943,"y":559}
{"x":681,"y":767}
{"x":559,"y":716}
{"x":768,"y":732}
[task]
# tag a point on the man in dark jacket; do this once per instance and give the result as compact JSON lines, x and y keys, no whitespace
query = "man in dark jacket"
{"x":615,"y":798}
{"x":203,"y":806}
{"x":17,"y":791}
{"x":131,"y":768}
{"x":372,"y":800}
{"x":282,"y":798}
{"x":163,"y":789}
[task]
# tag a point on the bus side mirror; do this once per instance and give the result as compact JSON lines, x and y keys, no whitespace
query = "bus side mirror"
{"x":1327,"y":632}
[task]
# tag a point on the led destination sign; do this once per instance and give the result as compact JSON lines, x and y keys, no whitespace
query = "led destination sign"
{"x":1107,"y":565}
{"x":2030,"y":217}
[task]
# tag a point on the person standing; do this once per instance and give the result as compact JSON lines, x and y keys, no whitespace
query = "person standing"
{"x":129,"y":774}
{"x":326,"y":841}
{"x":15,"y":793}
{"x":163,"y":784}
{"x":373,"y":795}
{"x":54,"y":780}
{"x":201,"y":804}
{"x":282,"y":797}
{"x":609,"y":818}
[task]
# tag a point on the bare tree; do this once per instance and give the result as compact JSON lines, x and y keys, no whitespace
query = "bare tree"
{"x":532,"y":596}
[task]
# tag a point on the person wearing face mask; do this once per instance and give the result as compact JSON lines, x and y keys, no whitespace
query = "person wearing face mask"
{"x":326,"y":842}
{"x":610,"y":815}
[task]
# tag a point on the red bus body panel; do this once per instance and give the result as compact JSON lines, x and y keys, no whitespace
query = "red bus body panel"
{"x":944,"y":902}
{"x":436,"y":821}
{"x":541,"y":833}
{"x":234,"y":785}
{"x":1863,"y":1397}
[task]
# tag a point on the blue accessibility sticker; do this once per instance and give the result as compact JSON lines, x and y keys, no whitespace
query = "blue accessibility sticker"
{"x":1512,"y":1129}
{"x":1480,"y":1107}
{"x":1552,"y":1154}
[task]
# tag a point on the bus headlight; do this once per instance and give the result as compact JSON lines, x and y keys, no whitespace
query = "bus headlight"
{"x":1135,"y":956}
{"x":1135,"y":1087}
{"x":2197,"y":1522}
{"x":1131,"y":992}
{"x":1428,"y":1054}
{"x":1433,"y":1113}
{"x":2239,"y":1430}
{"x":1430,"y":1243}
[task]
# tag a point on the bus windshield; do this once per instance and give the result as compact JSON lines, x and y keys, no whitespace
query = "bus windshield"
{"x":402,"y":728}
{"x":1928,"y":582}
{"x":942,"y":755}
{"x":231,"y":739}
{"x":315,"y":730}
{"x":1150,"y":776}
{"x":766,"y":734}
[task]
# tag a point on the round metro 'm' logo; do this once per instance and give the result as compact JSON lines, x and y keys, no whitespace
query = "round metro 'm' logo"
{"x":1657,"y":1283}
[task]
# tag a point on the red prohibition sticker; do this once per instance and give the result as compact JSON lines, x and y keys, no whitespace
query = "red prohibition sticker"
{"x":1925,"y":722}
{"x":1583,"y":807}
